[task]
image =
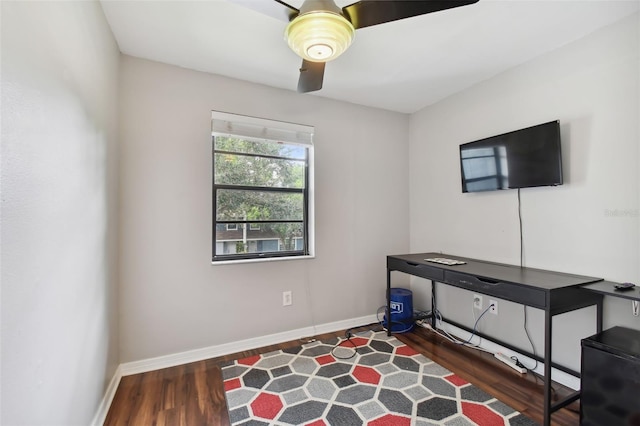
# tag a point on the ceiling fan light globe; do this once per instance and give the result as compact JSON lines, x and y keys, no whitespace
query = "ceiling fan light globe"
{"x":319,"y":36}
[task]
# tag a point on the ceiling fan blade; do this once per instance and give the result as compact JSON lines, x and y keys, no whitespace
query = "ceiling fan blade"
{"x":276,"y":8}
{"x":311,"y":75}
{"x":366,"y":13}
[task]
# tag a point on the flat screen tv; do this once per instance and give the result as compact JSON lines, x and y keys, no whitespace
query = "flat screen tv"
{"x":519,"y":159}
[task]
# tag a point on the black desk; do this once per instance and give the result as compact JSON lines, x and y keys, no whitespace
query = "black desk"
{"x":553,"y":292}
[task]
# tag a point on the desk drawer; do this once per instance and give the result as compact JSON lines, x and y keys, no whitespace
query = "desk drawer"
{"x":417,"y":269}
{"x":504,"y":290}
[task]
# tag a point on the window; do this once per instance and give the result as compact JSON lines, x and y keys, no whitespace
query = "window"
{"x":262,"y":186}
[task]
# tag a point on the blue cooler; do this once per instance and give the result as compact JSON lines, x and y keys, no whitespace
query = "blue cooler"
{"x":401,"y":310}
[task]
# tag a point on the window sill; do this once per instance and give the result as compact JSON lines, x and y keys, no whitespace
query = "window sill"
{"x":267,"y":259}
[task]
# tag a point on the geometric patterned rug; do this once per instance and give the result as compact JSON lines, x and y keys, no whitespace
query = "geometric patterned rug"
{"x":385,"y":383}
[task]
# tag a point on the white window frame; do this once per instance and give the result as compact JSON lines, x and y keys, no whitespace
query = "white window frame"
{"x":260,"y":129}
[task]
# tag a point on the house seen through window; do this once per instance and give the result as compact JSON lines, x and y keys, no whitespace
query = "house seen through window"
{"x":262,"y":174}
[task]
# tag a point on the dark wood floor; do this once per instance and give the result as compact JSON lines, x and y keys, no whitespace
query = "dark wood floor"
{"x":193,"y":394}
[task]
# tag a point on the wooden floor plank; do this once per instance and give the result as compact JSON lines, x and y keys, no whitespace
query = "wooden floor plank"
{"x":193,"y":394}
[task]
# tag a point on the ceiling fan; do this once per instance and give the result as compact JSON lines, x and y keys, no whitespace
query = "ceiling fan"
{"x":320,"y":31}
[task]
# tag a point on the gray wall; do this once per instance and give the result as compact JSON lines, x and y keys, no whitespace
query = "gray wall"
{"x":172,"y":298}
{"x":59,"y":205}
{"x":592,"y":87}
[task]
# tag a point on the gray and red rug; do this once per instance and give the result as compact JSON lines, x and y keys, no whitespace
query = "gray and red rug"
{"x":385,"y":383}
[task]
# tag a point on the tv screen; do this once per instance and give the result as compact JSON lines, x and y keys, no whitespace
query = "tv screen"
{"x":519,"y":159}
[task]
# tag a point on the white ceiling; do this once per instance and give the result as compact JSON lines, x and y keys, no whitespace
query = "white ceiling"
{"x":401,"y":66}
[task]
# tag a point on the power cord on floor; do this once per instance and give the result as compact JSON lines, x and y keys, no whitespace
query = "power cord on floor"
{"x":517,"y":362}
{"x":347,"y":338}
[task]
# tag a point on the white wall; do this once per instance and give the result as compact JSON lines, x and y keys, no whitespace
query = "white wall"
{"x":59,"y":314}
{"x":172,"y":298}
{"x":592,"y":87}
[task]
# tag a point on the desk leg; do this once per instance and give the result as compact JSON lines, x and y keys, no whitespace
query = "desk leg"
{"x":599,"y":310}
{"x":547,"y":364}
{"x":388,"y":313}
{"x":434,"y":321}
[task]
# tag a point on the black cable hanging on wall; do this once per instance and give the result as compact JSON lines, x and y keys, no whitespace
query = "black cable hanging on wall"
{"x":524,"y":307}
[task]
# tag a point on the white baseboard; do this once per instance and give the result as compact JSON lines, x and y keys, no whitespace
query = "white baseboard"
{"x":171,"y":360}
{"x":107,"y":399}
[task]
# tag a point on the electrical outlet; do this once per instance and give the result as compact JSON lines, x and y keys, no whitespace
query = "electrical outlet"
{"x":494,"y":307}
{"x":477,"y":301}
{"x":287,"y":299}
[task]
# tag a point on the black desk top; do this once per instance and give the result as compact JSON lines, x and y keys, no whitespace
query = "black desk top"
{"x":606,"y":288}
{"x":531,"y":277}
